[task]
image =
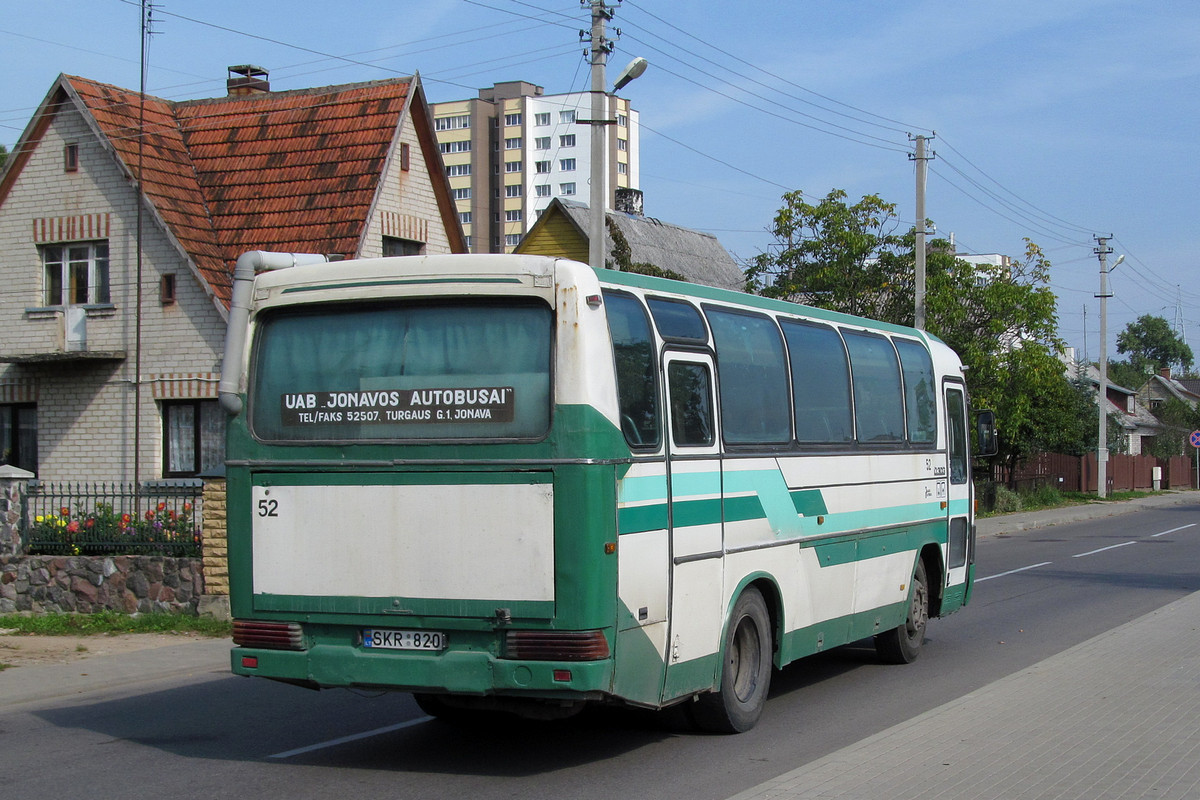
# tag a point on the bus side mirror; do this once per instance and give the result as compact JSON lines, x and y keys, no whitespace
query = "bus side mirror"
{"x":985,"y":428}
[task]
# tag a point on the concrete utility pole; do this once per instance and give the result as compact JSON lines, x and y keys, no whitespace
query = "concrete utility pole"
{"x":919,"y":279}
{"x":600,"y":48}
{"x":1102,"y":250}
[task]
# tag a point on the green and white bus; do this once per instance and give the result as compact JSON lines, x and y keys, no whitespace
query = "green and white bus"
{"x":517,"y":483}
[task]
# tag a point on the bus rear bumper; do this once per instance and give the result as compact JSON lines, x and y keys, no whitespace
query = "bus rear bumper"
{"x":450,"y":672}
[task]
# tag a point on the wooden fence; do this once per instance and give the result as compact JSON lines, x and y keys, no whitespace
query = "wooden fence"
{"x":1078,"y":473}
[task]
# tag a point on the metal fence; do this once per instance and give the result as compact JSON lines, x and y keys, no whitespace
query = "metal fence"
{"x":112,"y":519}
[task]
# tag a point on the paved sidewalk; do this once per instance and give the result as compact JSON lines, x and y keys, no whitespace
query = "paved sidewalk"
{"x":51,"y":682}
{"x":1030,"y":520}
{"x":1117,"y":716}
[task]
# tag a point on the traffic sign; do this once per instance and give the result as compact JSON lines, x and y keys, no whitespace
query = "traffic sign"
{"x":1195,"y":438}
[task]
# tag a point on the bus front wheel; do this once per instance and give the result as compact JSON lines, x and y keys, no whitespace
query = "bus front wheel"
{"x":902,"y":644}
{"x":745,"y":673}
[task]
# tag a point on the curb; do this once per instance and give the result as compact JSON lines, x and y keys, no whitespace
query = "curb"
{"x":1032,"y":520}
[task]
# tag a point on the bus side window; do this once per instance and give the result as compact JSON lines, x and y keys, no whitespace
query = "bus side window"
{"x":637,"y":384}
{"x":820,"y":383}
{"x":878,"y":397}
{"x":751,"y":378}
{"x":690,"y":389}
{"x":917,"y":367}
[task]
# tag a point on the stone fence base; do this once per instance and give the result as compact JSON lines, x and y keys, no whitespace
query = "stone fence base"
{"x":97,"y":583}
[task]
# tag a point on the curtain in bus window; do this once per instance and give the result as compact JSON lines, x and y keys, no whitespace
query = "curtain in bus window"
{"x":820,"y":383}
{"x":878,"y":398}
{"x":921,"y":408}
{"x":461,"y":371}
{"x":751,"y":378}
{"x":633,"y":354}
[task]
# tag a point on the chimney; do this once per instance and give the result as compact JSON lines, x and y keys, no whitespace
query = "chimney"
{"x":247,"y":80}
{"x":629,"y":201}
{"x":1165,"y":372}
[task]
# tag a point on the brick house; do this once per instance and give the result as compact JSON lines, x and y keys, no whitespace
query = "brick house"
{"x":109,"y":362}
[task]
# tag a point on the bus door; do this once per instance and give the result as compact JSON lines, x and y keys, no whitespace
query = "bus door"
{"x":958,"y":492}
{"x":696,"y":537}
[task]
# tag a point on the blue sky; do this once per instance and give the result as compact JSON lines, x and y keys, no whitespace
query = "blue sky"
{"x":1054,"y":121}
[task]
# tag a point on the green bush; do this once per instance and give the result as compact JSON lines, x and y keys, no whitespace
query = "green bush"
{"x":1007,"y":501}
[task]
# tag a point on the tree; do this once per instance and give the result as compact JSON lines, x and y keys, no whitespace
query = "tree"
{"x":3,"y":155}
{"x":832,"y":255}
{"x":1178,"y":421}
{"x":1152,"y":345}
{"x":1000,"y":319}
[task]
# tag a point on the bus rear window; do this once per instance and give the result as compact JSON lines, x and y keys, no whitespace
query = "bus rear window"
{"x":403,"y":371}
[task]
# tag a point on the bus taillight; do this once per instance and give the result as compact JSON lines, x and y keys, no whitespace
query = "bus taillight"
{"x":555,"y":645}
{"x":268,"y":635}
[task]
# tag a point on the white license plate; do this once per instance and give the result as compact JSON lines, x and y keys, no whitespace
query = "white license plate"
{"x":385,"y":639}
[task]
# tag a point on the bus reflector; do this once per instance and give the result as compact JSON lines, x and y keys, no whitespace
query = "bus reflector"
{"x":250,"y":662}
{"x":268,"y":635}
{"x":555,"y":645}
{"x":562,"y":675}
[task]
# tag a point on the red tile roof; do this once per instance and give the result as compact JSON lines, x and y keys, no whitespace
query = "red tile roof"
{"x":292,"y":171}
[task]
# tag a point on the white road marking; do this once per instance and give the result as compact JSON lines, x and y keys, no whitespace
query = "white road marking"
{"x":1173,"y":530}
{"x":352,"y":738}
{"x":1102,"y":549}
{"x":1011,"y":572}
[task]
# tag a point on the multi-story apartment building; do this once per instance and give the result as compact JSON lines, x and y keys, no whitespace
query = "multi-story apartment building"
{"x":513,"y":149}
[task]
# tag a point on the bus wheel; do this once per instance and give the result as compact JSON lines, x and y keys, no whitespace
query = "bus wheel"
{"x":745,"y":673}
{"x":902,"y":644}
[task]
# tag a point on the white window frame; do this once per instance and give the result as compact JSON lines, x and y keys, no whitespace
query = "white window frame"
{"x":542,"y":143}
{"x":456,"y":122}
{"x":566,"y":140}
{"x":512,"y":143}
{"x":566,"y":189}
{"x":542,"y":118}
{"x":512,"y":166}
{"x":76,"y":273}
{"x":566,"y":164}
{"x":541,"y":190}
{"x":463,"y":193}
{"x":513,"y":190}
{"x":512,"y":119}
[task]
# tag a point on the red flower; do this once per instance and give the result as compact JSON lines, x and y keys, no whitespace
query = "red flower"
{"x":64,"y":511}
{"x":73,"y":527}
{"x":187,"y":506}
{"x":149,"y":515}
{"x":125,"y":518}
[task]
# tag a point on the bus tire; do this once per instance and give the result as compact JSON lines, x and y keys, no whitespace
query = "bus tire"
{"x":745,"y":673}
{"x":902,"y":644}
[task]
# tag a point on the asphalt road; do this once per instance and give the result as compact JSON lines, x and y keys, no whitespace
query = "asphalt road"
{"x":213,"y":735}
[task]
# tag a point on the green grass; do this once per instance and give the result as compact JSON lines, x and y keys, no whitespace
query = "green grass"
{"x":1048,"y":497}
{"x":112,"y":622}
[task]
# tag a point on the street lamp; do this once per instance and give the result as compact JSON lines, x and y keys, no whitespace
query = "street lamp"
{"x":600,"y":139}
